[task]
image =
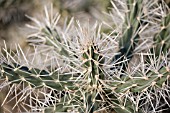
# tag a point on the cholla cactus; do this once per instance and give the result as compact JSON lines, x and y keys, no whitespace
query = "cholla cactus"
{"x":80,"y":69}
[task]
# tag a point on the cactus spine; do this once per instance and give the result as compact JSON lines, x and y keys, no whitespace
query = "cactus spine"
{"x":84,"y":76}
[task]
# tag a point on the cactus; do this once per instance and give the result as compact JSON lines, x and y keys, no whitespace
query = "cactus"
{"x":130,"y":36}
{"x":86,"y":74}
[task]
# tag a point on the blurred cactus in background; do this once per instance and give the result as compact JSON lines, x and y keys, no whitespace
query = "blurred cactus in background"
{"x":12,"y":17}
{"x":78,"y":67}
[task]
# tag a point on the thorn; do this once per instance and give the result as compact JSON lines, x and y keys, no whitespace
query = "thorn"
{"x":167,"y":69}
{"x":2,"y":71}
{"x":153,"y":83}
{"x":22,"y":78}
{"x":15,"y":69}
{"x":160,"y":75}
{"x":145,"y":78}
{"x":163,"y":27}
{"x":162,"y":42}
{"x":57,"y":81}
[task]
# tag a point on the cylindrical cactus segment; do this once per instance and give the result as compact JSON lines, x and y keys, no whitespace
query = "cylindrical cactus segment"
{"x":136,"y":84}
{"x":130,"y":36}
{"x":36,"y":78}
{"x":139,"y":83}
{"x":93,"y":61}
{"x":162,"y":39}
{"x":86,"y":98}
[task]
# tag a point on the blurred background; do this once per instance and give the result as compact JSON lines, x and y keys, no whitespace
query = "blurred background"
{"x":13,"y":19}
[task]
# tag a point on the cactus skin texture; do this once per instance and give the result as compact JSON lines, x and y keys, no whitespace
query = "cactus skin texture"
{"x":87,"y":84}
{"x":161,"y":40}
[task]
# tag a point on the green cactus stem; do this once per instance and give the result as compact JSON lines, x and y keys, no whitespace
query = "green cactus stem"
{"x":129,"y":40}
{"x":162,"y":39}
{"x":36,"y":78}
